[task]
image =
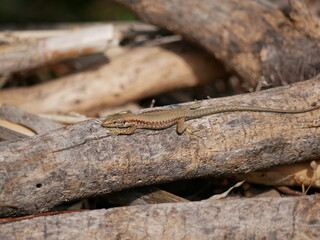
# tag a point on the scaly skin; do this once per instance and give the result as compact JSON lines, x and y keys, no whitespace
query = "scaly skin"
{"x":127,"y":122}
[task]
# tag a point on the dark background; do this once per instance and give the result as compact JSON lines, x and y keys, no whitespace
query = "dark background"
{"x":52,"y":11}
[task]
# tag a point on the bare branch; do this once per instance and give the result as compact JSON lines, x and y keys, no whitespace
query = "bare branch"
{"x":256,"y":218}
{"x":25,"y":56}
{"x":83,"y":160}
{"x":136,"y":74}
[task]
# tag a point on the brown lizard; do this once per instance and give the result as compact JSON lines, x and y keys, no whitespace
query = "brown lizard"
{"x":127,"y":122}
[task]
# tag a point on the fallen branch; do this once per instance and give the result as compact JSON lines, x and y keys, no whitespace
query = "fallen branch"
{"x":251,"y":36}
{"x":10,"y":135}
{"x":145,"y":195}
{"x":83,"y":160}
{"x":136,"y":74}
{"x":33,"y":122}
{"x":259,"y":218}
{"x":33,"y":54}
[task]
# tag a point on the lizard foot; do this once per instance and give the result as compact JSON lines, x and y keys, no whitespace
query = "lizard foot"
{"x":192,"y":133}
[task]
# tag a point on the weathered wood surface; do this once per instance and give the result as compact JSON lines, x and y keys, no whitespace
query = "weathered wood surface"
{"x":252,"y":37}
{"x":264,"y":218}
{"x":27,"y":49}
{"x":83,"y":160}
{"x":303,"y":19}
{"x":26,"y":55}
{"x":138,"y":196}
{"x":6,"y":134}
{"x":137,"y":74}
{"x":33,"y":122}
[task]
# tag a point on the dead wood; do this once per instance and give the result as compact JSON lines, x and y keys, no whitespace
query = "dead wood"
{"x":23,"y":50}
{"x":260,"y":218}
{"x":290,"y":192}
{"x":142,"y":196}
{"x":304,"y":20}
{"x":136,"y":74}
{"x":145,"y":195}
{"x":254,"y":38}
{"x":14,"y":219}
{"x":37,"y":32}
{"x":83,"y":160}
{"x":303,"y":174}
{"x":10,"y":135}
{"x":33,"y":122}
{"x":32,"y":54}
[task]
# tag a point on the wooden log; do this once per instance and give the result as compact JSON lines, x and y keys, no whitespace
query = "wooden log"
{"x":33,"y":122}
{"x":33,"y":54}
{"x":83,"y":160}
{"x":256,"y":218}
{"x":251,"y":36}
{"x":139,"y":196}
{"x":10,"y":135}
{"x":136,"y":74}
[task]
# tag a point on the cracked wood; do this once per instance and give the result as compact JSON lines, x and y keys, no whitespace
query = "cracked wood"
{"x":83,"y":160}
{"x":238,"y":219}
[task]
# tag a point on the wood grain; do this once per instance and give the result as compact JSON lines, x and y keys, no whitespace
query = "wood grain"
{"x":84,"y":160}
{"x":139,"y":73}
{"x":263,"y":218}
{"x":252,"y":37}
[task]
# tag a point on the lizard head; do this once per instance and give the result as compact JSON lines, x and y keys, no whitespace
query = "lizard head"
{"x":115,"y":120}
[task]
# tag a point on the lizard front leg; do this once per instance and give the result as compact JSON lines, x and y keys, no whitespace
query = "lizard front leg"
{"x":123,"y":131}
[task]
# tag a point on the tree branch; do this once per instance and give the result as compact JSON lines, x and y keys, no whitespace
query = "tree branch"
{"x":262,"y":218}
{"x":83,"y":160}
{"x":251,"y":36}
{"x":139,"y":73}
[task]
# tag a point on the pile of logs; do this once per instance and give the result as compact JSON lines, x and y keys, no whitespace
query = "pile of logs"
{"x":50,"y":158}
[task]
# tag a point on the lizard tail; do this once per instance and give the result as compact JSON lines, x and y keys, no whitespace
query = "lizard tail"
{"x":221,"y":109}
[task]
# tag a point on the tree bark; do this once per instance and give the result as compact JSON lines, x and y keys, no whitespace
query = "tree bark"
{"x":263,"y":218}
{"x":138,"y":196}
{"x":83,"y":160}
{"x":251,"y":36}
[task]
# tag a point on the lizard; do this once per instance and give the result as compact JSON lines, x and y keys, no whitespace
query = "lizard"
{"x":127,"y":122}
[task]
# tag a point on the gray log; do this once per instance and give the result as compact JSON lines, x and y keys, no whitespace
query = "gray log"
{"x":264,"y":218}
{"x":84,"y":160}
